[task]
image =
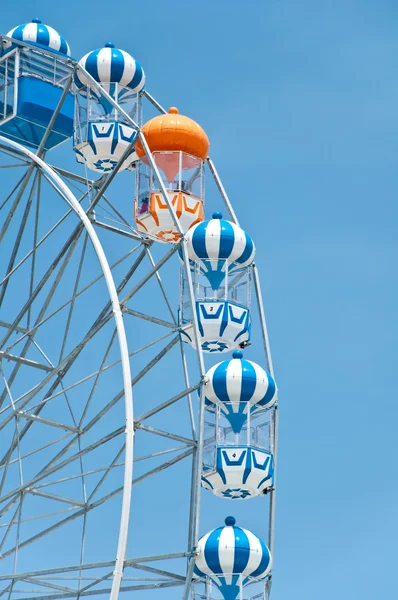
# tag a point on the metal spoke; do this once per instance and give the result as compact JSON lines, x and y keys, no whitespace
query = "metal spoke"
{"x":162,"y":288}
{"x":22,"y":164}
{"x":45,"y":446}
{"x":22,"y":184}
{"x":105,"y":475}
{"x":25,"y":361}
{"x":29,"y":332}
{"x":20,"y":234}
{"x":102,"y":591}
{"x":95,"y":504}
{"x":166,"y":434}
{"x":48,"y":471}
{"x":16,"y":186}
{"x":74,"y":503}
{"x":159,"y":572}
{"x":39,"y":516}
{"x":35,"y":235}
{"x":164,"y":405}
{"x":129,"y":234}
{"x":37,"y":419}
{"x":129,"y":562}
{"x":151,"y":318}
{"x":47,"y":584}
{"x":73,"y":299}
{"x":54,"y":286}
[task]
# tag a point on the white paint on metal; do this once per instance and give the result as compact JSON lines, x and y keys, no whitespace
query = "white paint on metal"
{"x":118,"y":316}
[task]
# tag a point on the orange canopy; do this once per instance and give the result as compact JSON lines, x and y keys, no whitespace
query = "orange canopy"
{"x":174,"y":132}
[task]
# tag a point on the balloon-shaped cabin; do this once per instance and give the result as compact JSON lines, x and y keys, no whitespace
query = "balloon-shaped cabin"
{"x":231,"y":559}
{"x":237,"y":463}
{"x":102,"y":135}
{"x":220,"y":255}
{"x":179,"y":147}
{"x":33,"y":68}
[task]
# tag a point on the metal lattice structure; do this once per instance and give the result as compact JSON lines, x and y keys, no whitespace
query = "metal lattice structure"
{"x":88,"y":321}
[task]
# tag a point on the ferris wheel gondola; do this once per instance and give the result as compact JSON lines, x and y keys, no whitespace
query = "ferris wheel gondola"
{"x":101,"y":135}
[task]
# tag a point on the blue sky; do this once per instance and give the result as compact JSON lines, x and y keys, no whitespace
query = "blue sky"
{"x":299,"y":100}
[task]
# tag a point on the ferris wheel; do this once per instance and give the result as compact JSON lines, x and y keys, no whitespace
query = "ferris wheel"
{"x":128,"y":304}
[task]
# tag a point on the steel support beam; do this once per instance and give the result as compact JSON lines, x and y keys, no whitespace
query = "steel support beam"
{"x":222,"y":191}
{"x":25,"y":361}
{"x":118,"y":316}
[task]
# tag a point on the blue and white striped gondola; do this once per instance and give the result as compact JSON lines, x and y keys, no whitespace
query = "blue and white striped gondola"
{"x":40,"y":35}
{"x":117,"y":71}
{"x":216,"y":245}
{"x":107,"y":136}
{"x":240,"y":386}
{"x":242,"y":467}
{"x":231,"y":557}
{"x":215,"y":248}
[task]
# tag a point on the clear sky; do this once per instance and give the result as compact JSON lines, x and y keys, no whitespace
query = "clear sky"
{"x":300,"y":102}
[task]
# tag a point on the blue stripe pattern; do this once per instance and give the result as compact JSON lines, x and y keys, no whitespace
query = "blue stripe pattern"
{"x":91,"y":65}
{"x":199,"y":240}
{"x":241,"y":386}
{"x":110,"y":66}
{"x":227,"y":239}
{"x":17,"y":34}
{"x":243,"y":554}
{"x":43,"y":35}
{"x":247,"y":252}
{"x":264,"y":561}
{"x":211,"y":551}
{"x":117,"y":66}
{"x":226,"y":553}
{"x":38,"y":34}
{"x":217,"y":246}
{"x":138,"y":77}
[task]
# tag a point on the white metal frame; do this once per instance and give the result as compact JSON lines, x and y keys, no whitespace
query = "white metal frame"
{"x":124,"y":353}
{"x":120,"y":305}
